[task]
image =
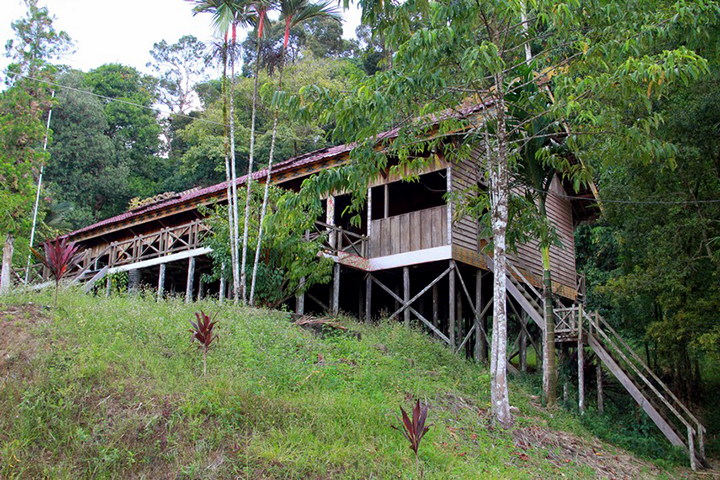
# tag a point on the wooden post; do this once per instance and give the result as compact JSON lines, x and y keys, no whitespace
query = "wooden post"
{"x":581,"y":362}
{"x":691,"y":447}
{"x":459,"y":317}
{"x":598,"y":378}
{"x":448,"y":225}
{"x":386,"y":201}
{"x":190,"y":278}
{"x":451,"y":305}
{"x":368,"y":298}
{"x":300,"y":299}
{"x":336,"y":290}
{"x":108,"y":285}
{"x":369,"y":229}
{"x":221,"y":293}
{"x":5,"y":280}
{"x":435,"y":306}
{"x":330,"y":220}
{"x":161,"y":282}
{"x":201,"y":289}
{"x":479,"y":340}
{"x":523,"y":342}
{"x":406,"y":295}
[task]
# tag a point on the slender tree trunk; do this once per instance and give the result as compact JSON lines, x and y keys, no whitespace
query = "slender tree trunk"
{"x":243,"y":276}
{"x":6,"y":264}
{"x":267,"y":181}
{"x":550,"y":373}
{"x":234,"y":233}
{"x":499,"y":182}
{"x":232,"y":227}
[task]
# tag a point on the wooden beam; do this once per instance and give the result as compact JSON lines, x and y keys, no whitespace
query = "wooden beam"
{"x":368,"y":297}
{"x":581,"y":364}
{"x":161,"y":282}
{"x":435,"y":305}
{"x":451,"y":301}
{"x":300,"y":298}
{"x":635,"y":392}
{"x":221,"y":292}
{"x":336,"y":290}
{"x":406,"y":294}
{"x":479,"y":327}
{"x":599,"y":381}
{"x":190,"y":278}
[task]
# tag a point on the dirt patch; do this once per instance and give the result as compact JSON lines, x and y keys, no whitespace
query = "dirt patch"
{"x":19,"y":343}
{"x":564,"y":448}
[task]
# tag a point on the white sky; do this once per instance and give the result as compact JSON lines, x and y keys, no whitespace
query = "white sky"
{"x":122,"y":32}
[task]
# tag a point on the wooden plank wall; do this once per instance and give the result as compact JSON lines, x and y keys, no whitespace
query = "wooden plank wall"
{"x":562,"y":259}
{"x":465,"y":230}
{"x":409,"y":232}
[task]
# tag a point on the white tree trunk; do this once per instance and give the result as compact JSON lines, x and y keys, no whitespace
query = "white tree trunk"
{"x":233,"y":174}
{"x":499,"y":189}
{"x":6,"y":264}
{"x":243,"y":277}
{"x":267,"y":185}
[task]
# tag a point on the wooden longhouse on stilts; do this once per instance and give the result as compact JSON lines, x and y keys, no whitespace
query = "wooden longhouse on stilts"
{"x":411,"y":259}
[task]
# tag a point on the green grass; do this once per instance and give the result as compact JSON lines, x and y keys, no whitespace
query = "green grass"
{"x":110,"y":388}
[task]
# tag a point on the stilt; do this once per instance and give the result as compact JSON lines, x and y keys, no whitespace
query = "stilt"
{"x":336,"y":290}
{"x":134,"y":277}
{"x":451,"y":305}
{"x":330,"y":220}
{"x":459,"y":320}
{"x":435,"y":306}
{"x":406,"y":294}
{"x":300,"y":298}
{"x":522,"y":347}
{"x":190,"y":278}
{"x":581,"y":364}
{"x":161,"y":282}
{"x":108,"y":285}
{"x":479,"y":329}
{"x":598,"y":378}
{"x":221,"y":291}
{"x":201,"y":289}
{"x":368,"y":298}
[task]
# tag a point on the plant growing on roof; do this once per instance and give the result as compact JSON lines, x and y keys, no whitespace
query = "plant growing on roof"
{"x":58,"y":257}
{"x":414,"y":430}
{"x":203,"y":332}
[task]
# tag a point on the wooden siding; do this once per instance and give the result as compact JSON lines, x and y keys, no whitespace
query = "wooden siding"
{"x":465,"y":230}
{"x":409,"y":232}
{"x":562,"y":259}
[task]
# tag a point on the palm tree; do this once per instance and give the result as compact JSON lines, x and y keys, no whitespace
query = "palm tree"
{"x":228,"y":15}
{"x":293,"y":13}
{"x":261,"y":8}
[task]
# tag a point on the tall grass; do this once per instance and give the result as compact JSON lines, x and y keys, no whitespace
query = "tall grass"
{"x":115,"y":389}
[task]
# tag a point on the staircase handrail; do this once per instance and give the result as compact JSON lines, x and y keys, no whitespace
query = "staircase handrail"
{"x":524,"y":280}
{"x":599,"y":328}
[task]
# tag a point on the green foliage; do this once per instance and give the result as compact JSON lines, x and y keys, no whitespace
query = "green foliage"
{"x":286,"y":256}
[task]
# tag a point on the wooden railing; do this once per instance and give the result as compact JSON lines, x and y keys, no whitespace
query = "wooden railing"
{"x":338,"y":239}
{"x":153,"y":245}
{"x":572,"y":320}
{"x":409,"y":232}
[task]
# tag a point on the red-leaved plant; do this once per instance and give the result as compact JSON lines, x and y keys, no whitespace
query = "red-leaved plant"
{"x":59,"y":256}
{"x":414,"y":430}
{"x":203,"y":332}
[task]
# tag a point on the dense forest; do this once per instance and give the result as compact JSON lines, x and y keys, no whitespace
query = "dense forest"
{"x":638,"y":100}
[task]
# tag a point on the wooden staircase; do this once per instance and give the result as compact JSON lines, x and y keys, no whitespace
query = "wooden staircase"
{"x":671,"y":416}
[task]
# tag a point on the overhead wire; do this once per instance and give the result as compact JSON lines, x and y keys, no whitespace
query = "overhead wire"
{"x":156,"y":110}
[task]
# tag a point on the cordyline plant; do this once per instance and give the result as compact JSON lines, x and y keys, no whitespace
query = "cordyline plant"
{"x":414,"y":430}
{"x":58,"y":257}
{"x":203,"y":332}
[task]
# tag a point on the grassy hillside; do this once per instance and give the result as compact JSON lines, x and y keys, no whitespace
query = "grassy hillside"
{"x":108,"y":388}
